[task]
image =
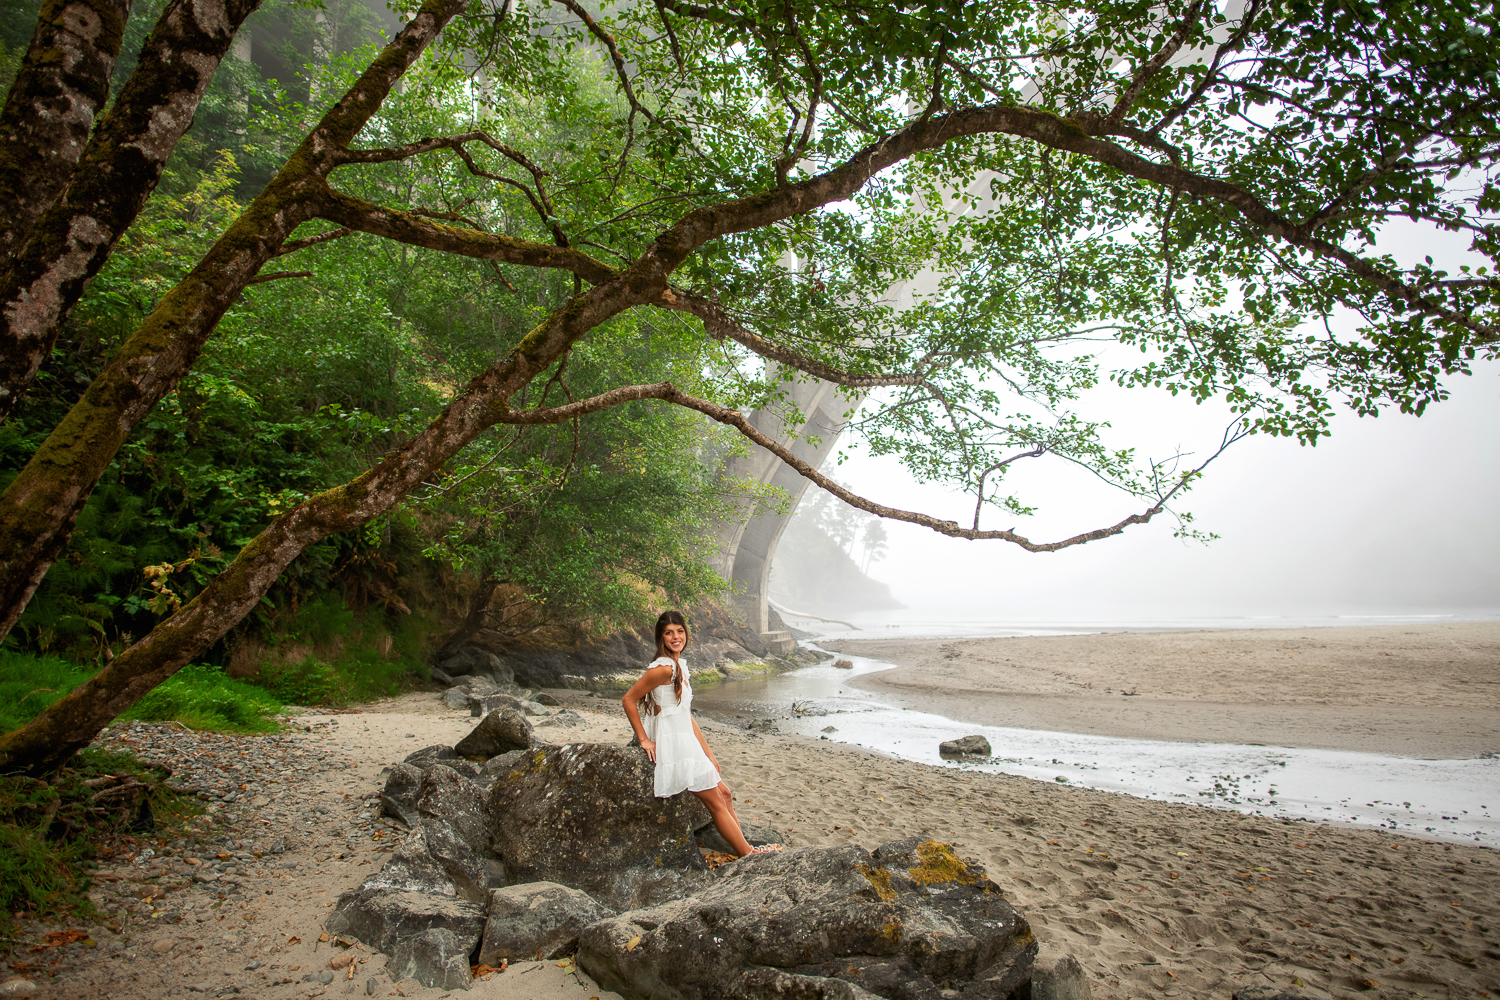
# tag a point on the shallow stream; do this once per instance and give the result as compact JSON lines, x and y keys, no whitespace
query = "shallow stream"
{"x":1443,"y":799}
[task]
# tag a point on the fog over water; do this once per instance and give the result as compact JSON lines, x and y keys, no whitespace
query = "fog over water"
{"x":1392,"y":515}
{"x":1388,"y":516}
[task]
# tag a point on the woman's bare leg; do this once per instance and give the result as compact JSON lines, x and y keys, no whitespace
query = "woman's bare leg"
{"x":719,"y":807}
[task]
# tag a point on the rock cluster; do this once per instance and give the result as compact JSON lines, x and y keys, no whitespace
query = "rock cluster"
{"x":909,"y":920}
{"x":544,"y":850}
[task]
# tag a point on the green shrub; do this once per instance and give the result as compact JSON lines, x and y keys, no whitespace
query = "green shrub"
{"x":30,"y":683}
{"x":311,"y":682}
{"x":201,"y":696}
{"x":198,"y":696}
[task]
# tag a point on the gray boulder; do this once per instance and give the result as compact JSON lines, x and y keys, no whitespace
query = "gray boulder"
{"x":502,"y":763}
{"x":1055,"y":976}
{"x":479,"y":685}
{"x":473,"y":660}
{"x":710,"y":837}
{"x":455,"y":826}
{"x":456,"y":698}
{"x":544,"y":698}
{"x":398,"y":799}
{"x":536,"y":920}
{"x":428,"y":756}
{"x":584,"y":815}
{"x":967,"y":746}
{"x":440,"y":677}
{"x":411,"y":869}
{"x":437,"y":957}
{"x":905,"y":923}
{"x":567,"y":717}
{"x":383,"y":918}
{"x":495,"y":734}
{"x":495,"y":701}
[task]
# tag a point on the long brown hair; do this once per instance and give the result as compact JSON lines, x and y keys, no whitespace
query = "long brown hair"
{"x":647,"y":703}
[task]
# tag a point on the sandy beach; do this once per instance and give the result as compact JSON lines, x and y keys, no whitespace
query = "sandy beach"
{"x":1429,"y":691}
{"x":1154,"y":898}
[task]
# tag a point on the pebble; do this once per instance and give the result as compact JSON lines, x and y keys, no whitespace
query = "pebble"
{"x":163,"y":945}
{"x":251,"y":785}
{"x":25,"y":988}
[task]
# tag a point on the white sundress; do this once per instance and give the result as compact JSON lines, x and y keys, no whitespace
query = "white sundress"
{"x":681,"y":764}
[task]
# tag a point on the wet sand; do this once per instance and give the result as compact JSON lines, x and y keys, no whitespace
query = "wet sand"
{"x":1428,"y":691}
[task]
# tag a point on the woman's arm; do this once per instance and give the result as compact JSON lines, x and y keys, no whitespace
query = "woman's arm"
{"x":654,"y":677}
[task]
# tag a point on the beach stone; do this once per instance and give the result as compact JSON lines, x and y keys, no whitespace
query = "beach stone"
{"x":428,"y":756}
{"x":910,"y":919}
{"x":480,"y":685}
{"x":455,"y":827}
{"x":756,"y":836}
{"x":585,"y":815}
{"x":502,"y":763}
{"x":440,"y":676}
{"x":497,"y":701}
{"x":976,"y":746}
{"x":1055,"y":976}
{"x":774,"y":984}
{"x":382,"y":918}
{"x":495,"y":734}
{"x":535,"y":709}
{"x":18,"y":988}
{"x":472,"y":660}
{"x":411,"y":869}
{"x":456,"y":697}
{"x":566,"y":717}
{"x":537,"y":918}
{"x":546,"y":699}
{"x":438,"y":957}
{"x":398,"y":799}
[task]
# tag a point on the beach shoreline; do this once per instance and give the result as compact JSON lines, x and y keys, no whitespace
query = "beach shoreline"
{"x":1429,"y":691}
{"x":1153,"y":898}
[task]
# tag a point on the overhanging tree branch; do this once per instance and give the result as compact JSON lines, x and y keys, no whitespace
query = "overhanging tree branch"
{"x":718,"y":324}
{"x":668,"y":392}
{"x":411,"y":228}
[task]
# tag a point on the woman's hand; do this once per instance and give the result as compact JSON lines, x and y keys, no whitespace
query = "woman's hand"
{"x":650,"y":747}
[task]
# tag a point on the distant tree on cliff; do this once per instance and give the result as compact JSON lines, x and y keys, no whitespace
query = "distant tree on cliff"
{"x":1191,"y":182}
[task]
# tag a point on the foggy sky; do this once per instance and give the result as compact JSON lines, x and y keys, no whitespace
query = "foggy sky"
{"x":1390,"y":515}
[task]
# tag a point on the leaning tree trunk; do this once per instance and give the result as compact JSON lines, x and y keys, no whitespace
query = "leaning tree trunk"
{"x":61,"y":85}
{"x":38,"y":508}
{"x":70,"y":724}
{"x":122,"y":164}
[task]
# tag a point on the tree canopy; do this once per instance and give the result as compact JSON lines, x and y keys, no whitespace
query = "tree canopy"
{"x":764,"y":180}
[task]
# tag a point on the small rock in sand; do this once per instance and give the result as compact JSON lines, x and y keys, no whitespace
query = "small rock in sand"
{"x":18,"y":988}
{"x":163,"y":945}
{"x":969,"y":746}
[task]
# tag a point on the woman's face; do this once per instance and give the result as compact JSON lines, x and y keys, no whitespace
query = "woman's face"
{"x":674,"y":637}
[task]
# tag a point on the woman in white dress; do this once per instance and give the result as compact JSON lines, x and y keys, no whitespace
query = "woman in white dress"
{"x":659,"y":707}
